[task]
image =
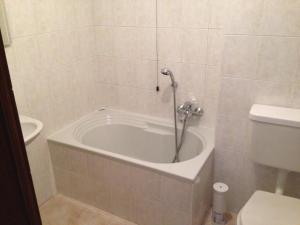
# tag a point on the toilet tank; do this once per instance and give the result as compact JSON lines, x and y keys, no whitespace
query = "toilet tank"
{"x":275,"y":136}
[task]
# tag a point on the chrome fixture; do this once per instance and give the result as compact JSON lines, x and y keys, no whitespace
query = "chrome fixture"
{"x":189,"y":109}
{"x":185,"y":111}
{"x":168,"y":72}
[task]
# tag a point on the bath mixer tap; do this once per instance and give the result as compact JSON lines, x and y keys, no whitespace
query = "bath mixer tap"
{"x":184,"y":111}
{"x":188,"y":109}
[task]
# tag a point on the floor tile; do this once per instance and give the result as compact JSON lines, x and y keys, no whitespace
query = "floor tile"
{"x":61,"y":210}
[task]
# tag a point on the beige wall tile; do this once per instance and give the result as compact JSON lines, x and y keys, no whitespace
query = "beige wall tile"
{"x":279,"y":58}
{"x":219,"y":12}
{"x":24,"y":24}
{"x":125,"y":42}
{"x":149,"y":106}
{"x":146,"y":13}
{"x":211,"y":110}
{"x":148,"y":212}
{"x":244,"y":16}
{"x":103,"y":13}
{"x":124,"y":12}
{"x":236,"y":92}
{"x":126,"y":71}
{"x":87,"y":42}
{"x":122,"y":202}
{"x":170,"y":44}
{"x":195,"y":89}
{"x":280,"y":18}
{"x":146,"y":73}
{"x":213,"y":77}
{"x":100,"y":195}
{"x":62,"y":180}
{"x":79,"y":187}
{"x":49,"y":49}
{"x":105,"y":41}
{"x":180,"y":196}
{"x":26,"y":58}
{"x":215,"y":47}
{"x":97,"y":166}
{"x":195,"y":13}
{"x":272,"y":93}
{"x":202,"y":192}
{"x":146,"y":184}
{"x":194,"y":46}
{"x":69,"y":42}
{"x":106,"y":70}
{"x":65,"y":14}
{"x":60,"y":156}
{"x":116,"y":171}
{"x":146,"y":43}
{"x":169,"y":13}
{"x":241,"y":56}
{"x":78,"y":162}
{"x":45,"y":11}
{"x":84,"y":12}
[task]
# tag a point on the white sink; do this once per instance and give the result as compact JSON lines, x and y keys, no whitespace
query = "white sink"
{"x":31,"y":128}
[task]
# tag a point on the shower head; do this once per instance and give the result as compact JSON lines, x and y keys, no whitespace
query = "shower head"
{"x":168,"y":72}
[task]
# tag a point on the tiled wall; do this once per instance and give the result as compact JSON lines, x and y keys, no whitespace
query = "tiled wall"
{"x":132,"y":192}
{"x":53,"y":68}
{"x":189,"y":42}
{"x":261,"y":64}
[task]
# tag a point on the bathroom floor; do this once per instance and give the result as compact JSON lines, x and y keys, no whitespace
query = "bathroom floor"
{"x":231,"y":218}
{"x":61,"y":210}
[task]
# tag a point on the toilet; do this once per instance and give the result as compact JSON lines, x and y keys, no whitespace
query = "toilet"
{"x":265,"y":208}
{"x":275,"y":142}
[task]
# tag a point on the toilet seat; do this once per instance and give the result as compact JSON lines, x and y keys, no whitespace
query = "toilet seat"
{"x":265,"y":208}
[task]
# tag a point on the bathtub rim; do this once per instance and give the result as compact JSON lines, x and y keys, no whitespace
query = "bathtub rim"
{"x":187,"y":170}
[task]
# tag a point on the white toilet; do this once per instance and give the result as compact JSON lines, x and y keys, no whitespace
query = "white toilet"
{"x":275,"y":142}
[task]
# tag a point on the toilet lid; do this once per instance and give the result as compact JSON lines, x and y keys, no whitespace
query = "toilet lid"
{"x":265,"y":208}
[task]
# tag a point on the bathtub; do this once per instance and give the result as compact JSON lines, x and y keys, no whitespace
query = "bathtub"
{"x":121,"y":162}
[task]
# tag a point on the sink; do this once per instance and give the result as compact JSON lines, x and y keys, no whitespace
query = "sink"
{"x":31,"y":128}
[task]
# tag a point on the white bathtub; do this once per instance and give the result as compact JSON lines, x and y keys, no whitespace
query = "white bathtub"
{"x":139,"y":139}
{"x":120,"y":162}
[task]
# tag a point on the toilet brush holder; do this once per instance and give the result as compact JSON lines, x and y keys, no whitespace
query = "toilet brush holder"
{"x":219,"y":203}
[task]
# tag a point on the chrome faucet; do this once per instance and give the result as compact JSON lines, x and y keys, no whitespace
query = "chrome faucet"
{"x":184,"y":111}
{"x":189,"y":109}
